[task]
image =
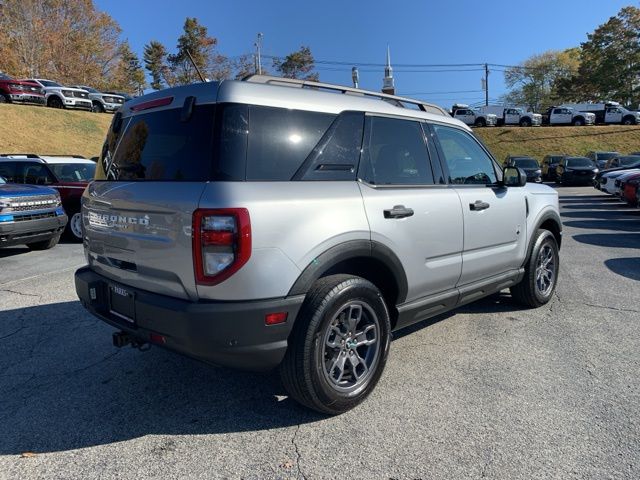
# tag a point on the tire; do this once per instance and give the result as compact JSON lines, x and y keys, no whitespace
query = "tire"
{"x":481,"y":122}
{"x":540,"y":279}
{"x":97,"y":108}
{"x":322,"y":334}
{"x":44,"y":244}
{"x":55,"y":102}
{"x":74,"y":227}
{"x":578,"y":122}
{"x":628,"y":121}
{"x":525,"y":122}
{"x":4,"y":99}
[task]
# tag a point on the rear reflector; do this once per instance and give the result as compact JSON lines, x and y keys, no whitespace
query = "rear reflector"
{"x":275,"y":318}
{"x":157,"y":338}
{"x":159,"y":102}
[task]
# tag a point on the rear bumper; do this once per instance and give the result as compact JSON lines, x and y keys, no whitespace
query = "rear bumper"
{"x":28,"y":231}
{"x":27,"y":98}
{"x":231,"y":334}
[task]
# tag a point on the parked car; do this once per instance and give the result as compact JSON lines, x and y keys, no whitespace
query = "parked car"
{"x":621,"y":161}
{"x":103,"y":102}
{"x":576,"y":170}
{"x":30,"y":215}
{"x":512,"y":115}
{"x":600,"y":158}
{"x":529,"y":164}
{"x":472,"y":117}
{"x":308,"y":254}
{"x":59,"y":96}
{"x":20,"y":91}
{"x":607,"y":181}
{"x":608,"y":112}
{"x":620,"y":181}
{"x":549,"y":164}
{"x":629,"y":191}
{"x":633,"y":163}
{"x":567,"y":116}
{"x":124,"y":95}
{"x":69,"y":175}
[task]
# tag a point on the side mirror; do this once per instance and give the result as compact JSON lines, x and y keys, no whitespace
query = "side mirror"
{"x":514,"y":177}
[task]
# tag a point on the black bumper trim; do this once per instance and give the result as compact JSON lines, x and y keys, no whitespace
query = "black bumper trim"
{"x":230,"y":334}
{"x":28,"y":231}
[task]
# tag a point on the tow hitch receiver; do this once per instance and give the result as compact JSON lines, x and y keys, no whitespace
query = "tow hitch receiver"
{"x":122,"y":339}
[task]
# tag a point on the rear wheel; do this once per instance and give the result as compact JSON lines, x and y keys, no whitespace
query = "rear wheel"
{"x":541,"y":272}
{"x":44,"y":244}
{"x":339,"y":345}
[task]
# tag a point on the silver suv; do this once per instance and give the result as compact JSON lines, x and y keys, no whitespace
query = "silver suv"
{"x":281,"y":223}
{"x":103,"y":102}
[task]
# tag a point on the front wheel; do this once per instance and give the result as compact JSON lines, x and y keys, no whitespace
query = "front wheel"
{"x":3,"y":98}
{"x":55,"y":102}
{"x":578,"y":122}
{"x":97,"y":108}
{"x":74,"y":227}
{"x":541,"y":272}
{"x":339,"y":345}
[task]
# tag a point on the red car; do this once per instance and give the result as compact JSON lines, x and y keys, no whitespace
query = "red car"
{"x":20,"y":91}
{"x":630,"y":189}
{"x":70,"y":175}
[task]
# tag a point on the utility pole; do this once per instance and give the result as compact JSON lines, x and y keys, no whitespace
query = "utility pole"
{"x":486,"y":84}
{"x":258,"y":46}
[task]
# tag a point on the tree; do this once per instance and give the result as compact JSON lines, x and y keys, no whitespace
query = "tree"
{"x":68,"y":40}
{"x":196,"y":42}
{"x":298,"y":64}
{"x":609,"y":61}
{"x":534,"y":82}
{"x":155,"y":55}
{"x":128,"y":76}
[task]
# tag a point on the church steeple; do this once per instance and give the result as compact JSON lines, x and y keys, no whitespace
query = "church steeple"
{"x":387,"y":82}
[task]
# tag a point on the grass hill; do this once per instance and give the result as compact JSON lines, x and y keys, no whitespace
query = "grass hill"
{"x":31,"y":129}
{"x":540,"y":141}
{"x":43,"y":130}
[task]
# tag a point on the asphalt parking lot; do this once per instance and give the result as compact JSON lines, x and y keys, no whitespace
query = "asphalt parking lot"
{"x":492,"y":391}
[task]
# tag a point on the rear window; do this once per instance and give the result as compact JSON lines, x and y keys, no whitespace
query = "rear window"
{"x":159,"y":146}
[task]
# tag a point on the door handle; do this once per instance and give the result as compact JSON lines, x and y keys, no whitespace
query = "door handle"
{"x":479,"y":205}
{"x":398,"y":211}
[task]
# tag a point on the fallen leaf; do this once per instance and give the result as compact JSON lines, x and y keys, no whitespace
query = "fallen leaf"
{"x":288,"y":465}
{"x":27,"y":455}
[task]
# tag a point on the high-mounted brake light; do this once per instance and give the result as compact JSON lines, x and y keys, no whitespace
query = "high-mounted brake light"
{"x":158,"y":102}
{"x":221,"y":243}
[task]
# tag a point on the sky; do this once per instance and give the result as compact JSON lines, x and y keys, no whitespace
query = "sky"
{"x":357,"y":33}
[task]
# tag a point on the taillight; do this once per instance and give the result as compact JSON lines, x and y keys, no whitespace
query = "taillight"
{"x":221,"y":243}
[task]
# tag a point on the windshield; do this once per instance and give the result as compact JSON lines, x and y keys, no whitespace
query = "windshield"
{"x":630,"y":160}
{"x":579,"y":162}
{"x":525,"y":163}
{"x":88,"y":89}
{"x":49,"y":83}
{"x":73,"y":172}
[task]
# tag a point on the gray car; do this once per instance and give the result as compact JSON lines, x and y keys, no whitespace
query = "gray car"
{"x":103,"y":102}
{"x":274,"y":223}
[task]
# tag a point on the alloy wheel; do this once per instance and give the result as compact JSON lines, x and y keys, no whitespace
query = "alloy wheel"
{"x":545,"y":270}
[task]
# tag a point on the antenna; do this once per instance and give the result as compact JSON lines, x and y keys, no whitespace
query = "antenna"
{"x":195,"y":66}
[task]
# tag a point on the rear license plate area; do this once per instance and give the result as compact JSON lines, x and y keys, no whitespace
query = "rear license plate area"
{"x":122,"y":303}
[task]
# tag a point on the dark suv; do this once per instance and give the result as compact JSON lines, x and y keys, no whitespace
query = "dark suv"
{"x":600,"y":158}
{"x":69,"y":175}
{"x":529,"y":164}
{"x":20,"y":91}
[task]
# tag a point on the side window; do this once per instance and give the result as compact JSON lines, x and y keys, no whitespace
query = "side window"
{"x":281,"y":139}
{"x":468,"y":163}
{"x":557,"y":111}
{"x":8,"y":171}
{"x":337,"y":154}
{"x":33,"y":174}
{"x":396,"y":153}
{"x":231,"y":134}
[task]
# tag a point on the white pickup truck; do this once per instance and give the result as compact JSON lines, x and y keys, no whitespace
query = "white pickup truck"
{"x":608,"y":112}
{"x":512,"y":115}
{"x":568,"y":116}
{"x":472,"y":117}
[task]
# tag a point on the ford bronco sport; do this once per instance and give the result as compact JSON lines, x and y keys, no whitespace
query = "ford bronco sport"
{"x":282,"y":223}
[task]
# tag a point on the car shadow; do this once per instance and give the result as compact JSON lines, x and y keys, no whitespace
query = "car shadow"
{"x":11,"y":251}
{"x":64,"y":386}
{"x":626,"y":267}
{"x":624,"y":214}
{"x":615,"y":240}
{"x":612,"y":224}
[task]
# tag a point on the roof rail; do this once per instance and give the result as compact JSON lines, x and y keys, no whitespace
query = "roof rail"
{"x":34,"y":155}
{"x":394,"y":99}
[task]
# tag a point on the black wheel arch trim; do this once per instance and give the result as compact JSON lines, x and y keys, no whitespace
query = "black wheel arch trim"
{"x":345,"y":251}
{"x":548,"y":215}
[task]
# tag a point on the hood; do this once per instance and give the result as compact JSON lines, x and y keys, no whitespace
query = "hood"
{"x":19,"y":190}
{"x":619,"y":173}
